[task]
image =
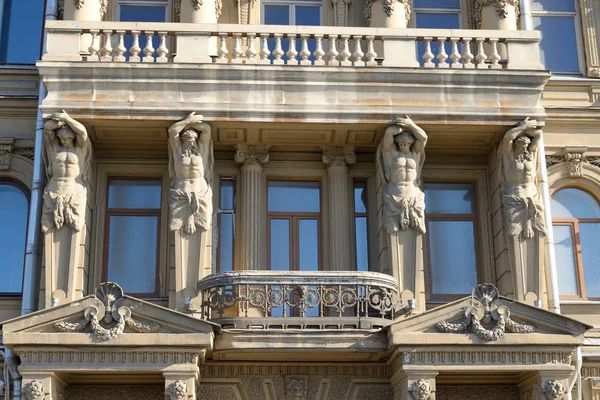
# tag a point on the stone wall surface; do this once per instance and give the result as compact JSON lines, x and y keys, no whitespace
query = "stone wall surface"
{"x":110,"y":392}
{"x":477,"y":393}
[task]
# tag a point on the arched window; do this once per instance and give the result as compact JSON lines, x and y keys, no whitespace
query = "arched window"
{"x":13,"y":229}
{"x":576,"y":223}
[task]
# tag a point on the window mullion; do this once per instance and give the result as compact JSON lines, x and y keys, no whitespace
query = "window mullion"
{"x":578,"y":258}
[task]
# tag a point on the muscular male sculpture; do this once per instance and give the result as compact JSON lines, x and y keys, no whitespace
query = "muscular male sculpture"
{"x":67,"y":155}
{"x":401,"y":155}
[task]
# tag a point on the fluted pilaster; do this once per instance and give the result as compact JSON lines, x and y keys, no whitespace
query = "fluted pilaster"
{"x":250,"y":240}
{"x":340,"y":206}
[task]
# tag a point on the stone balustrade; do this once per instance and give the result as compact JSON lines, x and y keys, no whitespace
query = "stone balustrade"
{"x":292,"y":45}
{"x":302,"y":300}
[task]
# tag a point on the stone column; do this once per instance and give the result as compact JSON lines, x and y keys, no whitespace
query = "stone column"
{"x":543,"y":385}
{"x":85,"y":10}
{"x":523,"y":210}
{"x":497,"y":14}
{"x":42,"y":385}
{"x":388,"y":13}
{"x":339,"y":191}
{"x":191,"y":206}
{"x":400,"y":158}
{"x":66,"y":212}
{"x":409,"y":384}
{"x":250,"y":241}
{"x":201,"y":11}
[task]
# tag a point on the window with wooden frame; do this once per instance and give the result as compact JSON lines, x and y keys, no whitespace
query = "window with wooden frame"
{"x":226,"y":225}
{"x":13,"y":230}
{"x":361,"y":231}
{"x":576,"y":226}
{"x":294,"y":225}
{"x":132,"y":234}
{"x":558,"y":22}
{"x":452,"y":240}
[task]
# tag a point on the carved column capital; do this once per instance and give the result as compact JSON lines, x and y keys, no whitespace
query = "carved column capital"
{"x":251,"y":155}
{"x":338,"y":156}
{"x":6,"y":149}
{"x":501,"y":8}
{"x":388,"y":8}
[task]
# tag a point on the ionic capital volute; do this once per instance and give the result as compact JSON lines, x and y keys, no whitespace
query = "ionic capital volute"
{"x":338,"y":156}
{"x":251,"y":154}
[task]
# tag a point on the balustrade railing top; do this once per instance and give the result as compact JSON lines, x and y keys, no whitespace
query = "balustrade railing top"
{"x":134,"y":42}
{"x":305,"y":300}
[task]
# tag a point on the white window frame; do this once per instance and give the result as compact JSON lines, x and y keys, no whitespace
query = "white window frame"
{"x":578,"y":34}
{"x":292,"y":8}
{"x":457,"y":11}
{"x":145,"y":3}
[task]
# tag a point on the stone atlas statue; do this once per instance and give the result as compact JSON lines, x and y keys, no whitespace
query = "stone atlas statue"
{"x":67,"y":156}
{"x":401,"y":155}
{"x":521,"y":198}
{"x":190,"y":167}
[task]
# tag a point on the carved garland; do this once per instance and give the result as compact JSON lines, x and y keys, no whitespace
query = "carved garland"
{"x":501,"y":9}
{"x":388,"y":8}
{"x":483,"y":311}
{"x":109,"y":295}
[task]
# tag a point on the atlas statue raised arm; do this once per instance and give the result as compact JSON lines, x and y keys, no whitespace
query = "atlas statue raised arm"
{"x":521,"y":199}
{"x":401,"y":155}
{"x":67,"y":155}
{"x":190,"y":167}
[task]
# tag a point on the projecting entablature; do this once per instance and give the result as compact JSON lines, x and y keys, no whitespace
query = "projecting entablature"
{"x":232,"y":85}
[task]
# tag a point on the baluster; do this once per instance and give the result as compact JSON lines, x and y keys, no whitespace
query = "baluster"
{"x":264,"y":49}
{"x":278,"y":51}
{"x":371,"y":54}
{"x":319,"y":52}
{"x":332,"y":54}
{"x":304,"y":53}
{"x":455,"y":56}
{"x":358,"y":54}
{"x":94,"y":48}
{"x":292,"y":53}
{"x":481,"y":56}
{"x":149,"y":49}
{"x":251,"y":51}
{"x":120,"y":49}
{"x":495,"y":56}
{"x":345,"y":53}
{"x":236,"y":52}
{"x":428,"y":56}
{"x":135,"y":49}
{"x":222,"y":52}
{"x":467,"y":55}
{"x":442,"y":55}
{"x":106,"y":53}
{"x":162,"y":50}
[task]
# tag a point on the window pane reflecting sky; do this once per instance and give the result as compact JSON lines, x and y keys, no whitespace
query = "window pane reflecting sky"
{"x":21,"y":34}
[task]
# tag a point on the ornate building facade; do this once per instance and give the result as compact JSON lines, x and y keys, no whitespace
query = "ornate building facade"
{"x":300,"y":199}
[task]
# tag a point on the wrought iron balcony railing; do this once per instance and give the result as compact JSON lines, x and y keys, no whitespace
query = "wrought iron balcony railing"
{"x":302,"y":300}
